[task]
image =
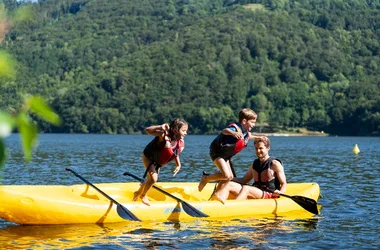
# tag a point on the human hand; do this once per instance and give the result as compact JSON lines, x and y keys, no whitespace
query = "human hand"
{"x":165,"y":127}
{"x":238,"y":135}
{"x":176,"y":170}
{"x":276,"y":193}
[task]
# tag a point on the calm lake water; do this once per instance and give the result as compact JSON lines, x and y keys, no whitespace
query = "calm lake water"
{"x":348,"y":220}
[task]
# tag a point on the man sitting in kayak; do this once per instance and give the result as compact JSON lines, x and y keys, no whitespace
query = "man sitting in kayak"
{"x":266,"y":171}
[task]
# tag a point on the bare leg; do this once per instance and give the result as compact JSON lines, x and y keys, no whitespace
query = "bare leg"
{"x":249,"y":192}
{"x":224,"y":174}
{"x":225,"y":189}
{"x":146,"y":163}
{"x":152,"y":177}
{"x":137,"y":194}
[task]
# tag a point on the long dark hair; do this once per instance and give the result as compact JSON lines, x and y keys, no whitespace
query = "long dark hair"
{"x":175,"y":126}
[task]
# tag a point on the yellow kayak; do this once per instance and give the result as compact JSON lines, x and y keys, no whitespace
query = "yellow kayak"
{"x":83,"y":203}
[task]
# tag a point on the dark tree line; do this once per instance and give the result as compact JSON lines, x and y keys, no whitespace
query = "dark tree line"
{"x":121,"y":66}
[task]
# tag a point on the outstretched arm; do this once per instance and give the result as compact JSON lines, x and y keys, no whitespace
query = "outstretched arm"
{"x":178,"y":164}
{"x":255,"y":137}
{"x":246,"y":178}
{"x":157,"y":130}
{"x":233,"y":132}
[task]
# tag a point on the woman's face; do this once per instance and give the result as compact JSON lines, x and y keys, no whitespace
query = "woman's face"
{"x":183,"y":131}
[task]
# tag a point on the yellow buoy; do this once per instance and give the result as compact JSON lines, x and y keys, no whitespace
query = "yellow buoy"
{"x":356,"y":149}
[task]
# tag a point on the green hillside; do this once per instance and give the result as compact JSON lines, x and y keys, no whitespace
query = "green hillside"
{"x":117,"y":66}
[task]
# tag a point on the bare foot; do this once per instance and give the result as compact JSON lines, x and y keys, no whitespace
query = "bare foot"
{"x":202,"y":183}
{"x":145,"y":200}
{"x":217,"y":197}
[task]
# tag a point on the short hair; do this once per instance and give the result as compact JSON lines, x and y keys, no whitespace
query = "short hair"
{"x":264,"y":140}
{"x":247,"y":114}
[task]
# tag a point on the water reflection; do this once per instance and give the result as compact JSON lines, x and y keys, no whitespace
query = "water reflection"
{"x":200,"y":233}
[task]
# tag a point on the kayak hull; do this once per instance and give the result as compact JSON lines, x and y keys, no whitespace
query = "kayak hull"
{"x":58,"y":204}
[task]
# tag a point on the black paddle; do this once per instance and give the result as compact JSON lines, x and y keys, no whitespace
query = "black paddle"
{"x":189,"y":209}
{"x":122,"y":211}
{"x":306,"y":203}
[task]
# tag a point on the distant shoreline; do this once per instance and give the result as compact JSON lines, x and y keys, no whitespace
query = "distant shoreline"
{"x":293,"y":134}
{"x":297,"y":131}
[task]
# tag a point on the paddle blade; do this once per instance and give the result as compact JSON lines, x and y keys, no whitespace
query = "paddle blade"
{"x":192,"y":211}
{"x":125,"y":213}
{"x":307,"y":203}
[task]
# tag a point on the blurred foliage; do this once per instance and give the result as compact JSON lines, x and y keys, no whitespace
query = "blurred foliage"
{"x":25,"y":125}
{"x":20,"y":121}
{"x":7,"y":65}
{"x":122,"y":66}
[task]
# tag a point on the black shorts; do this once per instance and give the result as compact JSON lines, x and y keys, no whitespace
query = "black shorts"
{"x":218,"y":151}
{"x":215,"y":156}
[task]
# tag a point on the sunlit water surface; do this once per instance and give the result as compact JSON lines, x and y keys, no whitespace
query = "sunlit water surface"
{"x":349,"y":182}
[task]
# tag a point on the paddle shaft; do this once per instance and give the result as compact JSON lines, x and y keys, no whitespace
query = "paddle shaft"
{"x":305,"y":202}
{"x":92,"y":185}
{"x":189,"y":209}
{"x":281,"y":194}
{"x":267,"y":190}
{"x":129,"y":215}
{"x":155,"y":187}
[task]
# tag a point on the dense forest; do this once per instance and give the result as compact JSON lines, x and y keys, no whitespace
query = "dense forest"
{"x":117,"y":66}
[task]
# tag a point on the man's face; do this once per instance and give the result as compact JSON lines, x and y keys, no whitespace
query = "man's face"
{"x":261,"y":150}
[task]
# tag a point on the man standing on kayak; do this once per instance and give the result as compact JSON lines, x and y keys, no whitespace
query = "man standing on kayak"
{"x":266,"y":171}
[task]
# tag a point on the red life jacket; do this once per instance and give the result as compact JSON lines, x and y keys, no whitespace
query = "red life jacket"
{"x":158,"y":153}
{"x":168,"y":154}
{"x":227,"y":146}
{"x":241,"y":143}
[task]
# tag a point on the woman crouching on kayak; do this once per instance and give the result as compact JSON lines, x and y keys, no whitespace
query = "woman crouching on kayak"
{"x":167,"y":145}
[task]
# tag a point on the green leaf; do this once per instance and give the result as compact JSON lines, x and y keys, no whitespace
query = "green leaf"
{"x":28,"y":131}
{"x":40,"y":108}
